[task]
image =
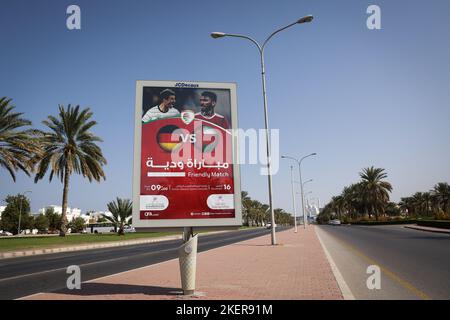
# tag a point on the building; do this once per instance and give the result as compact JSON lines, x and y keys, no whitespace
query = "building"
{"x":2,"y":208}
{"x":70,"y":213}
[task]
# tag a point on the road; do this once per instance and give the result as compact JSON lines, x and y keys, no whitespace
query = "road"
{"x":414,"y":264}
{"x":20,"y":277}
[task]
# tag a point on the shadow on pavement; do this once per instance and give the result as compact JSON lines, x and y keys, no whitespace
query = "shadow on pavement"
{"x":92,"y":289}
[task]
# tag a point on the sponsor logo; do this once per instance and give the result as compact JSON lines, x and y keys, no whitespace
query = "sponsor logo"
{"x":186,"y":85}
{"x":187,"y":116}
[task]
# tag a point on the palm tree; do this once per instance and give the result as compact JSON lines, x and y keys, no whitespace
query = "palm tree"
{"x":121,"y":211}
{"x":246,"y":203}
{"x":441,"y":196}
{"x":419,"y":203}
{"x":338,"y":205}
{"x":69,"y":147}
{"x":16,"y":146}
{"x":406,"y":204}
{"x":375,"y":192}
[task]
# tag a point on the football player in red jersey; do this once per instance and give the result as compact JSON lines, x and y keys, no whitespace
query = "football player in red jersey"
{"x":208,"y":102}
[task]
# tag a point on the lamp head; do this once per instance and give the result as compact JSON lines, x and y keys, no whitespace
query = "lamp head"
{"x":216,"y":35}
{"x":306,"y":19}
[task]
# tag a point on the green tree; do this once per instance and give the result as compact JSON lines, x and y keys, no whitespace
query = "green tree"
{"x":101,"y":220}
{"x":441,"y":196}
{"x":121,"y":210}
{"x":54,"y":219}
{"x":17,"y":146}
{"x":77,"y":225}
{"x":17,"y":207}
{"x":406,"y":205}
{"x":246,"y":204}
{"x":69,"y":147}
{"x":375,"y":191}
{"x":392,"y":209}
{"x":41,"y":223}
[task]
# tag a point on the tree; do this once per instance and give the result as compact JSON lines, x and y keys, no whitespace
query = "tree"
{"x":441,"y":196}
{"x":77,"y":225}
{"x":375,"y":192}
{"x":101,"y":220}
{"x":69,"y":147}
{"x":246,"y":204}
{"x":121,"y":211}
{"x":16,"y":207}
{"x":407,"y":206}
{"x":392,"y":209}
{"x":41,"y":223}
{"x":17,"y":146}
{"x":54,"y":219}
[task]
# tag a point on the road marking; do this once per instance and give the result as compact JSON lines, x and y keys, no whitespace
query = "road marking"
{"x":345,"y":290}
{"x":385,"y":270}
{"x":82,"y":265}
{"x":115,"y":274}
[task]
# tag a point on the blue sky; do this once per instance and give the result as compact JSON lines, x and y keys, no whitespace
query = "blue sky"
{"x":355,"y":96}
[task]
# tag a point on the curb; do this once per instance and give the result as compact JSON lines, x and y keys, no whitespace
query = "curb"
{"x":345,"y":290}
{"x":27,"y":253}
{"x":17,"y":254}
{"x":444,"y":231}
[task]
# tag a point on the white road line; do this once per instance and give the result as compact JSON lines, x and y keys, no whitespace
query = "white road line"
{"x":83,"y":265}
{"x":115,"y":274}
{"x":345,"y":290}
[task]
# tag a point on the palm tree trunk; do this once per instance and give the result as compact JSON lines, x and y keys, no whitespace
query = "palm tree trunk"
{"x":63,"y":230}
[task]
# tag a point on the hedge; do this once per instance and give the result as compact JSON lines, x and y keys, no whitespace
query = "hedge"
{"x":444,"y":224}
{"x":380,"y":223}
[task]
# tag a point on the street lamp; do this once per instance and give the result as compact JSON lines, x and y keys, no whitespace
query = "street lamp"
{"x":293,"y":199}
{"x":20,"y":211}
{"x":261,"y":48}
{"x":299,"y":162}
{"x":304,"y":197}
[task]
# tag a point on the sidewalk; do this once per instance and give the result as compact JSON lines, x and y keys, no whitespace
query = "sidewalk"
{"x":296,"y":269}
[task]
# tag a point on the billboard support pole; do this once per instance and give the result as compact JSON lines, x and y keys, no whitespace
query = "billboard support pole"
{"x":187,"y":254}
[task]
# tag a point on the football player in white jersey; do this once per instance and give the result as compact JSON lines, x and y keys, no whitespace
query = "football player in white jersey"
{"x":165,"y":109}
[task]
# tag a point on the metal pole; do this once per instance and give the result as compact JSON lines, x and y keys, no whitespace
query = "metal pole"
{"x":301,"y":191}
{"x":293,"y":199}
{"x":269,"y":172}
{"x":20,"y":216}
{"x":187,"y":254}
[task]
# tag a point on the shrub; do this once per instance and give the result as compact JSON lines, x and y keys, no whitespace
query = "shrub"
{"x":444,"y":224}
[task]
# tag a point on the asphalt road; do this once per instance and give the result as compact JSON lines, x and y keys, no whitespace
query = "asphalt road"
{"x":414,"y":264}
{"x":21,"y":277}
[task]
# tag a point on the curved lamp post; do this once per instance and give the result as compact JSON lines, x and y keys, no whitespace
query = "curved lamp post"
{"x":299,"y":162}
{"x":261,"y":48}
{"x":20,"y":212}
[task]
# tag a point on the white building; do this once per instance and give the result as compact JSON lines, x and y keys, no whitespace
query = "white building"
{"x":70,"y":213}
{"x":2,"y":208}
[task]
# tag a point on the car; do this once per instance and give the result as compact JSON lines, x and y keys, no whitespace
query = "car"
{"x":129,"y":229}
{"x":334,"y":222}
{"x":269,"y":226}
{"x":5,"y":234}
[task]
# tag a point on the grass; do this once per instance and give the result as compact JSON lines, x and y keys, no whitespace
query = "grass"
{"x":54,"y":241}
{"x":15,"y":244}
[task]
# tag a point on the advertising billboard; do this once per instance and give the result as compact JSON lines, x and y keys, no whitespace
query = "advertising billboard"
{"x":186,"y":171}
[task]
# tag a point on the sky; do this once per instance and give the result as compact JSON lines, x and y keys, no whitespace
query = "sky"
{"x":357,"y":97}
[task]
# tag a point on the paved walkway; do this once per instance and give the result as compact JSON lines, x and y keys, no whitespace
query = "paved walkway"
{"x":297,"y":268}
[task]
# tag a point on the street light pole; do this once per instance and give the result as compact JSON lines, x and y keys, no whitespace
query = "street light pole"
{"x":20,"y":211}
{"x":299,"y":162}
{"x":293,"y":199}
{"x":303,"y":201}
{"x":216,"y":35}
